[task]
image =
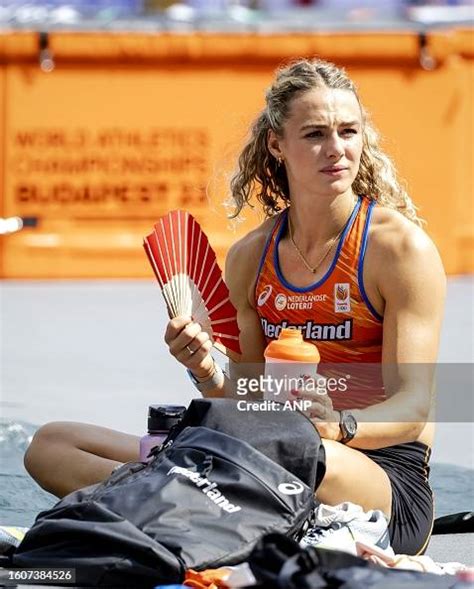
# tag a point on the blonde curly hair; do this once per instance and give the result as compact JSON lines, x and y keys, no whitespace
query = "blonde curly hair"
{"x":259,"y":173}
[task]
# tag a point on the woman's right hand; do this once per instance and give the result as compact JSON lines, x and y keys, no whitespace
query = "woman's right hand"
{"x":191,"y":346}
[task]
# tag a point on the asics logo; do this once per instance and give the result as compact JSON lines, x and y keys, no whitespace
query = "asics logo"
{"x":293,"y":488}
{"x":264,"y":295}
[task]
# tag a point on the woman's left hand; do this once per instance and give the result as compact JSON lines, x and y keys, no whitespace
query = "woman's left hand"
{"x":321,"y":413}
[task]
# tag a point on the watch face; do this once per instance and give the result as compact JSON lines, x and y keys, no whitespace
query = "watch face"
{"x":351,"y":424}
{"x":348,"y":426}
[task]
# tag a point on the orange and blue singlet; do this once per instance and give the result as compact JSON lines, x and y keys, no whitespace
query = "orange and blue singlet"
{"x":334,"y":313}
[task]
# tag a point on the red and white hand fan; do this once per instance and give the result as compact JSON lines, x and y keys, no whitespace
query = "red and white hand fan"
{"x":191,"y":281}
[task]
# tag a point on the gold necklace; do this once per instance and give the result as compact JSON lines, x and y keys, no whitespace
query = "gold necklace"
{"x":313,"y":269}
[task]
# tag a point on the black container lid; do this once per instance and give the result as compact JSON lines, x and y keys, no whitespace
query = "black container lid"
{"x":163,"y":417}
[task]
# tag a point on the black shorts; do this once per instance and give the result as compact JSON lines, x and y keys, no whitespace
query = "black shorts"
{"x":411,"y":521}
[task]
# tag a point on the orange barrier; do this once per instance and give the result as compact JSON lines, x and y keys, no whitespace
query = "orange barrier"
{"x":129,"y":126}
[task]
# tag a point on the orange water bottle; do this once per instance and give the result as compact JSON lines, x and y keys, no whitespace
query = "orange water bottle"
{"x":289,"y":362}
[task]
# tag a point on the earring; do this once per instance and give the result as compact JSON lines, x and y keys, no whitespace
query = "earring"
{"x":279,"y":161}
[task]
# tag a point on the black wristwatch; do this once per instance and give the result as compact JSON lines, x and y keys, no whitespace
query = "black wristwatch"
{"x":348,"y":426}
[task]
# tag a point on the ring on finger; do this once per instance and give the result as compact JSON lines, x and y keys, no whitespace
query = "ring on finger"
{"x":190,"y":350}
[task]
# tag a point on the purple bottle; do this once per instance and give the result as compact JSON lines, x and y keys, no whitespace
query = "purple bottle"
{"x":161,"y":419}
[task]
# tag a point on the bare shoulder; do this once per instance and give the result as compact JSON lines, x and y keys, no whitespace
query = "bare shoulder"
{"x":244,"y":257}
{"x":398,"y":249}
{"x":249,"y":248}
{"x":395,"y":238}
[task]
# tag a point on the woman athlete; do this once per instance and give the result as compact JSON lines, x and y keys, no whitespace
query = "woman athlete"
{"x":342,"y":243}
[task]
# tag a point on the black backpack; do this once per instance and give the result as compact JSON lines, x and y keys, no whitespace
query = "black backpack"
{"x":222,"y":480}
{"x":278,"y":562}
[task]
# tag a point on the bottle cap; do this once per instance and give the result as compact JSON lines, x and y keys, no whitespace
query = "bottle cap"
{"x":163,"y":417}
{"x":291,"y":346}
